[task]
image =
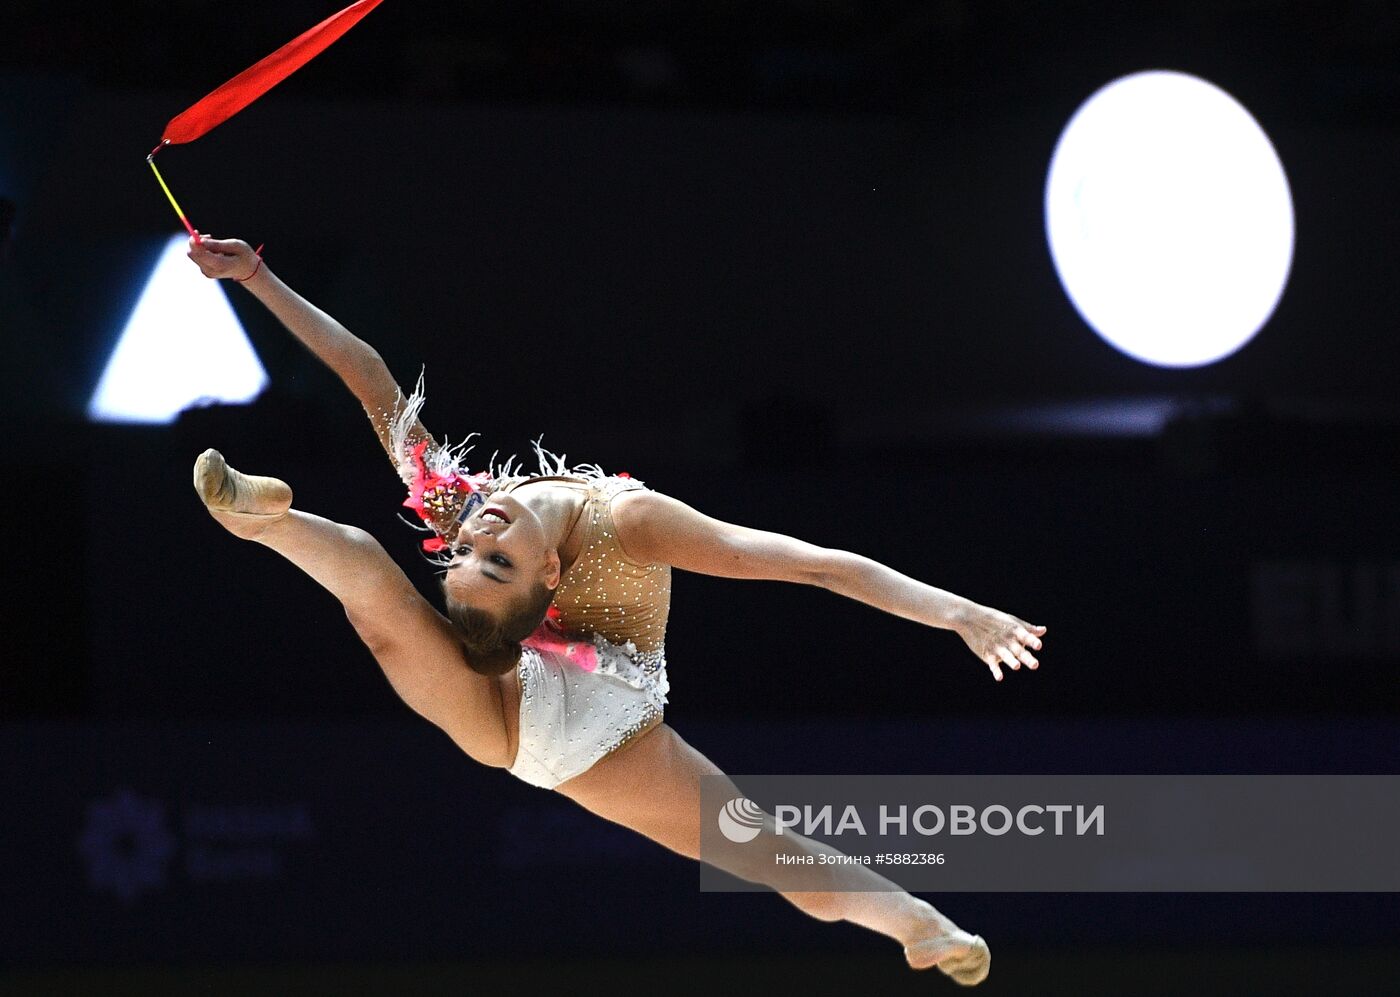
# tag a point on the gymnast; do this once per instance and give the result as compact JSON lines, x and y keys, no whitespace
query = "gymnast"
{"x":550,"y":661}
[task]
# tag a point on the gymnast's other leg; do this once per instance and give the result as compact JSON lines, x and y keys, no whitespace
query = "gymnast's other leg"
{"x":653,"y":787}
{"x":414,"y":645}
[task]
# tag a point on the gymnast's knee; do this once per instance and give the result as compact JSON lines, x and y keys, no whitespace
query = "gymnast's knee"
{"x":824,"y":905}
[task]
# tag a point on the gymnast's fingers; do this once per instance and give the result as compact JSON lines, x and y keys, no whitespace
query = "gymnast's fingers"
{"x":224,"y":247}
{"x":1010,"y":659}
{"x":991,"y":661}
{"x":1028,"y":659}
{"x":1026,"y":637}
{"x":202,"y":258}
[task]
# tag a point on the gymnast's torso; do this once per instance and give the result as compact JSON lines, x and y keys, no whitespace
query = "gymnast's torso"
{"x":617,"y":609}
{"x":603,"y":590}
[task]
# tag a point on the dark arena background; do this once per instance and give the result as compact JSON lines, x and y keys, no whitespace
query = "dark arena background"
{"x":787,"y":261}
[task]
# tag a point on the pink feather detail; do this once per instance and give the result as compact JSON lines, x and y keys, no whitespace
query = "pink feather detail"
{"x":579,"y":652}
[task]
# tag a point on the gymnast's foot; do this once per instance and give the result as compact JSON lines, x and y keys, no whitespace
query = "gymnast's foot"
{"x":244,"y":504}
{"x":965,"y":958}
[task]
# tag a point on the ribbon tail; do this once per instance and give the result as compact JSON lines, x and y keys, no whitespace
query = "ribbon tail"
{"x":221,"y":104}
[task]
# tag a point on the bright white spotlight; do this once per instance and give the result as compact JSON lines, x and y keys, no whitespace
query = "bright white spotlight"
{"x":182,"y":347}
{"x":1169,"y":219}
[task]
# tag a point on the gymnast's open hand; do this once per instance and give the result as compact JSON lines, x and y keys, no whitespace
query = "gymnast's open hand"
{"x":999,"y":638}
{"x":217,"y":258}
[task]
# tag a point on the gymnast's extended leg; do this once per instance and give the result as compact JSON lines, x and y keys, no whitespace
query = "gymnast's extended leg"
{"x":414,"y":645}
{"x":653,"y":787}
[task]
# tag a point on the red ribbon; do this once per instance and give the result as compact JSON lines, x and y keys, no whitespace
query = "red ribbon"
{"x":258,"y":79}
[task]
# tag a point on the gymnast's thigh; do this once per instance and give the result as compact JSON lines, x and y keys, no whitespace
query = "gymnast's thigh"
{"x":652,"y":786}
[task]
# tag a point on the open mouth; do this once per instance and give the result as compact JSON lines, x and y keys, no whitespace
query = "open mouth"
{"x":494,"y":514}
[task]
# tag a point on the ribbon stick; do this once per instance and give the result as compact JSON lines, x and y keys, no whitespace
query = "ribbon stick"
{"x":161,"y":180}
{"x":223,"y":103}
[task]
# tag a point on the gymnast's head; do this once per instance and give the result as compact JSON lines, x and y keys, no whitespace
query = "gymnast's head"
{"x":500,"y":582}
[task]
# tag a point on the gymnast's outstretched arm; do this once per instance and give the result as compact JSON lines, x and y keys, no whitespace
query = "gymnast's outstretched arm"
{"x":657,"y":528}
{"x":358,"y":365}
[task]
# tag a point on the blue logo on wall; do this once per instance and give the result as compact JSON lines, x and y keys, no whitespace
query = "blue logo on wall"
{"x":127,"y":844}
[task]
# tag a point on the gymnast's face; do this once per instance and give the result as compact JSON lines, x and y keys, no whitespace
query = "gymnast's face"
{"x":502,"y":554}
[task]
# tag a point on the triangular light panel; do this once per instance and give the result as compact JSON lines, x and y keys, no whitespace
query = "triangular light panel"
{"x":182,"y":347}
